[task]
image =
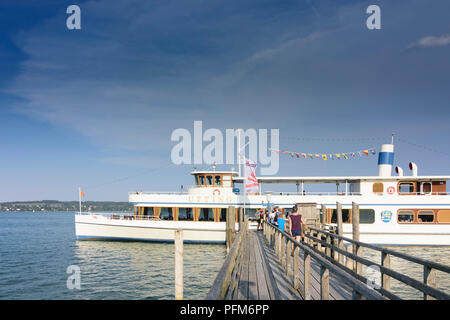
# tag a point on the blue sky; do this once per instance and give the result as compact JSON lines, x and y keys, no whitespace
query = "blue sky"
{"x":98,"y":105}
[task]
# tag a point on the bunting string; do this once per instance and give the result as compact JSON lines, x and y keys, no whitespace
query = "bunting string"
{"x":328,"y":156}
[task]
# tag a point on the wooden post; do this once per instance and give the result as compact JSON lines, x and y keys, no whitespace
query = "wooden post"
{"x":429,"y":278}
{"x":179,"y":264}
{"x":348,"y":261}
{"x":229,"y":227}
{"x":275,"y":243}
{"x":319,"y":245}
{"x":288,"y":256}
{"x":283,"y":251}
{"x":335,"y":242}
{"x":340,"y":231}
{"x":246,"y":224}
{"x":324,"y":215}
{"x":278,"y":244}
{"x":357,"y":250}
{"x":324,"y":283}
{"x":307,"y":276}
{"x":296,"y":273}
{"x":272,"y":236}
{"x":264,"y":232}
{"x":385,"y":279}
{"x":241,"y":218}
{"x":328,"y":248}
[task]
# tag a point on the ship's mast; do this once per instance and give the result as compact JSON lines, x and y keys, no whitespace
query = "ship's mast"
{"x":239,"y":151}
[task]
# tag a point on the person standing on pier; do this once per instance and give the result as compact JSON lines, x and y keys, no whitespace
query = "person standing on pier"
{"x":295,"y":225}
{"x":281,"y":221}
{"x":260,"y":216}
{"x":273,"y":215}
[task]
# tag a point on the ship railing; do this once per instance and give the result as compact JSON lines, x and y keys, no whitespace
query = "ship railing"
{"x":158,"y":193}
{"x":272,"y":193}
{"x":118,"y":216}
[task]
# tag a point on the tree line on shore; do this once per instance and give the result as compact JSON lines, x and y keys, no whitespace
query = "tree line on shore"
{"x":63,"y":206}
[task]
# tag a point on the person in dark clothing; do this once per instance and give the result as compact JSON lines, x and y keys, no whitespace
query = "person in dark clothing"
{"x":259,"y":217}
{"x":295,"y":225}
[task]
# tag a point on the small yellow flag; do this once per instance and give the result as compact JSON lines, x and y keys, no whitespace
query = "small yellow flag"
{"x":81,"y":193}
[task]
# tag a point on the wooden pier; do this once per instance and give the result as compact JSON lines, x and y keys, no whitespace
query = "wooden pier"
{"x":261,"y":265}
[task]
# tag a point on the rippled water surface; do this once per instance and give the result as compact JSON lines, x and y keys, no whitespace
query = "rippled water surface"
{"x":439,"y":255}
{"x":37,"y":248}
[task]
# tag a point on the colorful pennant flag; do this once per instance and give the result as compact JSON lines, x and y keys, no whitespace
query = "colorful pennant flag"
{"x":328,"y":156}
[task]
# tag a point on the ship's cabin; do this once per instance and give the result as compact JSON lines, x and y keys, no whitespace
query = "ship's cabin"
{"x":422,"y":187}
{"x":215,"y":179}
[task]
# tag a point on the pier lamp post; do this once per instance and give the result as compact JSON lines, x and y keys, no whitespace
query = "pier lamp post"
{"x":269,"y":204}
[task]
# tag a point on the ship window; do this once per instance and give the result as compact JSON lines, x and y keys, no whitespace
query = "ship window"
{"x":201,"y":180}
{"x":185,"y":214}
{"x":426,"y":187}
{"x":406,"y":187}
{"x":209,"y":180}
{"x":377,"y":187}
{"x":405,"y":216}
{"x":251,"y":213}
{"x":425,"y":216}
{"x":206,"y":214}
{"x":443,"y":216}
{"x":223,"y":214}
{"x":148,"y":211}
{"x":217,"y":180}
{"x":366,"y":216}
{"x":166,"y":214}
{"x":345,"y":216}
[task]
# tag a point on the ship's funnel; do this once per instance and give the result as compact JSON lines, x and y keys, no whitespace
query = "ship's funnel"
{"x":399,"y":171}
{"x":413,"y":168}
{"x":385,"y":160}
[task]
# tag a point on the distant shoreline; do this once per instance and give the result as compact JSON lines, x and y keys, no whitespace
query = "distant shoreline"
{"x":70,"y":206}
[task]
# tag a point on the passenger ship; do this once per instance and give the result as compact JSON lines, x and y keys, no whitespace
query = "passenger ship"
{"x":394,"y":210}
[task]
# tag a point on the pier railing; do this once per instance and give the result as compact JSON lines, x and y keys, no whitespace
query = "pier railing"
{"x":334,"y":251}
{"x":226,"y":278}
{"x":281,"y":241}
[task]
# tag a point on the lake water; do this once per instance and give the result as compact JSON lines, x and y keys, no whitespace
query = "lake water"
{"x":37,"y":248}
{"x":439,"y":255}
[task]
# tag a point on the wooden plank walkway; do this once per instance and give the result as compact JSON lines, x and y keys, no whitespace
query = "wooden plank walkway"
{"x":338,"y":289}
{"x":261,"y":276}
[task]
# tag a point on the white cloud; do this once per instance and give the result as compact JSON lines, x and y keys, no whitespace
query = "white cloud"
{"x":432,"y":41}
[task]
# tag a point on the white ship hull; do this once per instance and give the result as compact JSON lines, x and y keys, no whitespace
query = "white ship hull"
{"x":98,"y":227}
{"x":403,"y":239}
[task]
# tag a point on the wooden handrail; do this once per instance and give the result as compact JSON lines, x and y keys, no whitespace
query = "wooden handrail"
{"x":394,"y":274}
{"x":223,"y":279}
{"x":327,"y":266}
{"x":433,"y":265}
